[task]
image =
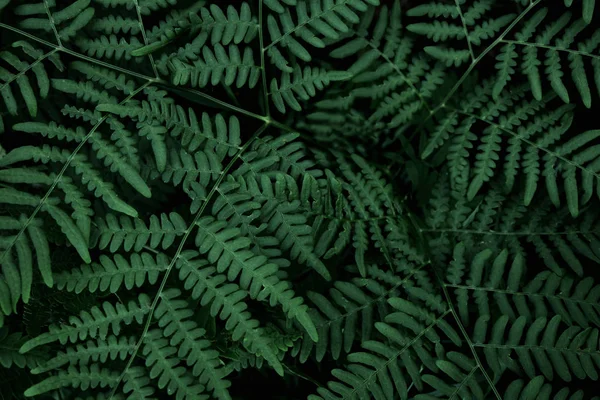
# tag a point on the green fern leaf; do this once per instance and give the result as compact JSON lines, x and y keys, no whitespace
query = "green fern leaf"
{"x":317,"y":18}
{"x":10,"y":356}
{"x":90,"y":176}
{"x":172,"y":314}
{"x":109,"y":47}
{"x":134,"y":234}
{"x":226,"y":307}
{"x":110,"y":275}
{"x":276,"y":5}
{"x":217,"y":66}
{"x":84,"y":377}
{"x":303,"y":84}
{"x":175,"y":378}
{"x":104,"y":149}
{"x":450,"y":57}
{"x":70,"y":230}
{"x":438,"y":31}
{"x":111,"y":348}
{"x":99,"y":321}
{"x":233,"y":27}
{"x":215,"y":134}
{"x":22,"y":80}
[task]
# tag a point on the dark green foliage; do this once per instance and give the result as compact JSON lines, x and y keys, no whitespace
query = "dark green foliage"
{"x":322,"y":199}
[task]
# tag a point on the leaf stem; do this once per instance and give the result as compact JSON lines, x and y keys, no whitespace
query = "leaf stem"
{"x":143,"y":31}
{"x":555,"y":48}
{"x":262,"y":58}
{"x":51,"y":19}
{"x":464,"y":24}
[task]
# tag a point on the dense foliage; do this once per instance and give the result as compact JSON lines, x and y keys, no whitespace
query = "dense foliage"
{"x":322,"y":199}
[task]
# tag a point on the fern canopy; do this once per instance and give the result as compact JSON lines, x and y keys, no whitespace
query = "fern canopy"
{"x":321,"y":199}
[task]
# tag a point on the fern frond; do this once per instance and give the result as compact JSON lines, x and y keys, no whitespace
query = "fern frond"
{"x":276,"y":5}
{"x":90,"y":176}
{"x":554,"y":237}
{"x":110,"y":47}
{"x":565,"y":353}
{"x":317,"y":21}
{"x":294,"y":235}
{"x":163,"y":366}
{"x":524,"y":50}
{"x":98,"y":322}
{"x":216,"y":136}
{"x":122,"y":138}
{"x":103,"y":148}
{"x":289,"y":152}
{"x":418,"y":219}
{"x":106,"y":77}
{"x":504,"y":283}
{"x":110,"y":275}
{"x":134,"y":234}
{"x":101,"y":350}
{"x":380,"y":190}
{"x":17,"y":264}
{"x":82,"y":211}
{"x":183,"y":168}
{"x":350,"y":310}
{"x":230,"y":252}
{"x":470,"y":24}
{"x":19,"y":76}
{"x":10,"y":343}
{"x":227,"y":66}
{"x":404,"y":105}
{"x":115,"y":3}
{"x":173,"y":315}
{"x":438,"y":31}
{"x":377,"y":369}
{"x":461,"y":370}
{"x":146,"y":6}
{"x":232,"y":27}
{"x":228,"y":305}
{"x":83,"y":377}
{"x":241,"y":199}
{"x":137,"y":381}
{"x":526,"y":140}
{"x":449,"y":56}
{"x":457,"y":152}
{"x":66,"y":22}
{"x":302,"y":84}
{"x":538,"y":388}
{"x":65,"y":223}
{"x":116,"y":24}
